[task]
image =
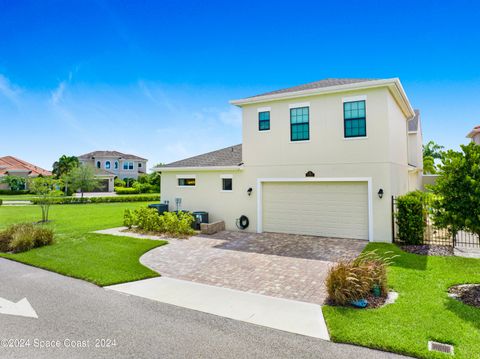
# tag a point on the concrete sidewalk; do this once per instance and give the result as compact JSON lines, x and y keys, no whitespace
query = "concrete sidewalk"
{"x":278,"y":313}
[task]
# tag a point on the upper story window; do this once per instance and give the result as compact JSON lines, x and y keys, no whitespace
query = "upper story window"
{"x":99,"y":164}
{"x":139,"y":165}
{"x":264,"y":121}
{"x":299,"y":124}
{"x":355,"y":123}
{"x":128,"y":165}
{"x":115,"y":165}
{"x":107,"y":165}
{"x":227,"y":183}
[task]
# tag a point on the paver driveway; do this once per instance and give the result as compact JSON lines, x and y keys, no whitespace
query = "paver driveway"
{"x":280,"y":265}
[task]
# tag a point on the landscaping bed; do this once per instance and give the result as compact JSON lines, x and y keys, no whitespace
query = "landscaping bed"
{"x":428,"y":250}
{"x":466,"y":293}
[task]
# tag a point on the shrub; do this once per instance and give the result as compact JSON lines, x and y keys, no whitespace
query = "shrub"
{"x":1,"y":202}
{"x":411,"y":218}
{"x":148,"y":220}
{"x":127,"y":190}
{"x":24,"y":236}
{"x":10,"y":192}
{"x":128,"y":218}
{"x":119,"y":183}
{"x":351,"y":280}
{"x":110,"y":199}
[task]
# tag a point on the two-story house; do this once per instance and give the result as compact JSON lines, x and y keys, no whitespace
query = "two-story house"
{"x":317,"y":159}
{"x":113,"y":164}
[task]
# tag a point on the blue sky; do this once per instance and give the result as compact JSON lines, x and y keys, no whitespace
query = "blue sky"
{"x":154,"y":77}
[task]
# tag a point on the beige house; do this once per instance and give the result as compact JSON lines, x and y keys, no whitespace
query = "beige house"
{"x":113,"y":164}
{"x":317,"y":159}
{"x":13,"y":166}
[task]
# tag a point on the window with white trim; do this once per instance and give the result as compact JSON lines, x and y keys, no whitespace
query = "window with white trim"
{"x":299,"y":124}
{"x":227,"y":184}
{"x":354,"y":119}
{"x":186,"y":182}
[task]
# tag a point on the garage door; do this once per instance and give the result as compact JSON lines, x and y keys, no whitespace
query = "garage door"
{"x":330,"y":209}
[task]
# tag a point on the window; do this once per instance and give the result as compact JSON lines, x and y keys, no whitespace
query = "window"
{"x":107,"y":165}
{"x":99,"y":164}
{"x":139,"y":165}
{"x":186,"y":182}
{"x":128,"y":165}
{"x":227,"y":184}
{"x":299,"y":124}
{"x":355,"y":124}
{"x":264,"y":121}
{"x":116,"y":165}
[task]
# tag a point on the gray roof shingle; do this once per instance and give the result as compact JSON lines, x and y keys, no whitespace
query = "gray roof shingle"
{"x":314,"y":85}
{"x":229,"y":156}
{"x":116,"y":154}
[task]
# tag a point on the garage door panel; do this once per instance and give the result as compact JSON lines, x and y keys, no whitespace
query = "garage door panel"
{"x":334,"y":209}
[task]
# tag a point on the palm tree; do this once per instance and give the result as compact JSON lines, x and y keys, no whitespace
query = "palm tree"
{"x":64,"y":165}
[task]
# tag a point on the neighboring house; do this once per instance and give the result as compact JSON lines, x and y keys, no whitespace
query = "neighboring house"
{"x":317,"y":159}
{"x":475,"y":135}
{"x":12,"y":166}
{"x":111,"y":164}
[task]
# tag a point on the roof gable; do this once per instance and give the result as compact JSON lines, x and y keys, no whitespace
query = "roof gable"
{"x":229,"y":156}
{"x":10,"y":163}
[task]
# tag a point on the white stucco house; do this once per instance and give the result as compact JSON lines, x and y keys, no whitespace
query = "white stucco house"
{"x":322,"y":159}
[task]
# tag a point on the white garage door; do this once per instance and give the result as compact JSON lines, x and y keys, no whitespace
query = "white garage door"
{"x":330,"y":209}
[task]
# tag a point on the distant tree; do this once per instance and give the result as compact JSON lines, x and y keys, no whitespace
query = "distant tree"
{"x":431,"y":152}
{"x":46,"y":189}
{"x":83,"y":178}
{"x":15,"y":183}
{"x":64,"y":165}
{"x":457,"y":189}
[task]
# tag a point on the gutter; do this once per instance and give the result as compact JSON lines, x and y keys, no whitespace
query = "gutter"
{"x":205,"y":168}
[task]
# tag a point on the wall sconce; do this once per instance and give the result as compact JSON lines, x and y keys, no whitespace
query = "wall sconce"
{"x":380,"y":193}
{"x":249,"y":191}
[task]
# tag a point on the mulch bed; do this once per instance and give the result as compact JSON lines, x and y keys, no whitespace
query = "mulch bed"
{"x":466,"y":293}
{"x":428,"y":250}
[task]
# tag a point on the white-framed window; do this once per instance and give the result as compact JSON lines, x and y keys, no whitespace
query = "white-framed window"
{"x":128,"y":165}
{"x":107,"y":165}
{"x":115,"y":165}
{"x":186,"y":180}
{"x":227,"y":183}
{"x":99,"y":165}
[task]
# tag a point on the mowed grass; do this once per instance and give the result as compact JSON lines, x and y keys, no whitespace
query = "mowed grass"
{"x":17,"y":197}
{"x":422,"y":312}
{"x":100,"y":259}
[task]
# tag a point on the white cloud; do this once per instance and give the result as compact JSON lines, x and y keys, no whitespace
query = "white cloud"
{"x":57,"y":95}
{"x":8,"y":90}
{"x":231,"y":117}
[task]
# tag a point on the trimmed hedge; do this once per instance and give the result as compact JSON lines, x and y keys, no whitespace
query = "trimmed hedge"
{"x":8,"y":192}
{"x":411,"y":218}
{"x":127,"y":190}
{"x":110,"y":199}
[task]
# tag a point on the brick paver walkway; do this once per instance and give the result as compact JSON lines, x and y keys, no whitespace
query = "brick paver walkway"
{"x":279,"y":265}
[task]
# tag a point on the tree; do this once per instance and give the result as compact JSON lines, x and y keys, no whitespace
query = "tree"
{"x":83,"y":178}
{"x":457,"y":191}
{"x":64,"y":165}
{"x":46,"y":189}
{"x":15,"y":183}
{"x":431,"y":152}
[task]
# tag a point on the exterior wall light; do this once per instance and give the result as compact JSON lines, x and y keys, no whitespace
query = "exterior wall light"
{"x":249,"y":191}
{"x":380,"y":193}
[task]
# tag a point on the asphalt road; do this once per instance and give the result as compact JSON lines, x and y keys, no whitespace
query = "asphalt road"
{"x":71,"y":311}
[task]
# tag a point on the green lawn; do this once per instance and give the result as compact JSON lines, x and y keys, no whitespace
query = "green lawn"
{"x":16,"y":197}
{"x":422,"y":312}
{"x":100,"y":259}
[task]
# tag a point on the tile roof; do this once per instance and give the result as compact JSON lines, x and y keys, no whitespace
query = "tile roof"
{"x":115,"y":154}
{"x":10,"y":163}
{"x":314,"y":85}
{"x":474,"y":132}
{"x":229,"y":156}
{"x":413,"y":123}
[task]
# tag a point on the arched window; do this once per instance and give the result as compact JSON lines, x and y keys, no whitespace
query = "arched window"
{"x":116,"y":165}
{"x":98,"y":164}
{"x":107,"y":165}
